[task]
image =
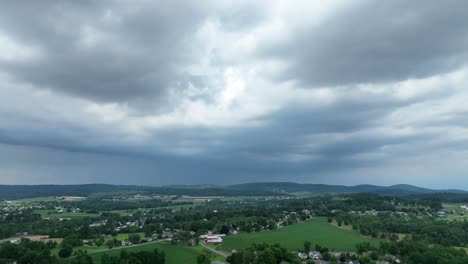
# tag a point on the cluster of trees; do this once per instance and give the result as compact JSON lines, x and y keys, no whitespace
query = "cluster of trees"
{"x":326,"y":255}
{"x":419,"y":228}
{"x":26,"y":252}
{"x":141,"y":257}
{"x":263,"y":254}
{"x":410,"y":252}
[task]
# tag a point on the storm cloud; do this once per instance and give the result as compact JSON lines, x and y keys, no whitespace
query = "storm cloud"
{"x":153,"y":92}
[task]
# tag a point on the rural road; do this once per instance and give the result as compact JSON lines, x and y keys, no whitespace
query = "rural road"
{"x":214,"y":250}
{"x":124,"y":247}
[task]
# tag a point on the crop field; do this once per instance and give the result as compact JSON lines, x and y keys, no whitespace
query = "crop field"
{"x":453,"y":212}
{"x":318,"y":231}
{"x":174,"y":254}
{"x":125,"y":236}
{"x":54,"y":214}
{"x":91,"y":249}
{"x":36,"y":199}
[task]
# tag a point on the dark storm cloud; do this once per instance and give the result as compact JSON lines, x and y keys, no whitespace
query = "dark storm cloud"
{"x":127,"y":58}
{"x":114,"y":53}
{"x":376,"y":41}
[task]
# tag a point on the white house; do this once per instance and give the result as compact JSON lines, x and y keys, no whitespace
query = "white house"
{"x":213,"y":239}
{"x":315,"y":255}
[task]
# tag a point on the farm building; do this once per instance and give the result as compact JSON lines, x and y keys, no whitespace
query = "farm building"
{"x":213,"y":239}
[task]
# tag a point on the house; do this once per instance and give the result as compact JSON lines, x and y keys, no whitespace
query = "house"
{"x":335,"y":254}
{"x":441,"y":213}
{"x":302,"y":255}
{"x":315,"y":255}
{"x":126,"y":243}
{"x":15,"y":241}
{"x":167,"y":234}
{"x":192,"y":242}
{"x":99,"y":223}
{"x":213,"y":239}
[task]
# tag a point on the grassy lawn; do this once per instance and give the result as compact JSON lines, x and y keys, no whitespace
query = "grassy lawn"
{"x":91,"y":249}
{"x":88,"y":249}
{"x":54,"y":214}
{"x":317,"y":230}
{"x":456,"y":210}
{"x":174,"y":254}
{"x":36,"y":199}
{"x":132,"y":211}
{"x":125,"y":236}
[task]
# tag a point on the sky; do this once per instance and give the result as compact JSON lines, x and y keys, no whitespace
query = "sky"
{"x":224,"y":92}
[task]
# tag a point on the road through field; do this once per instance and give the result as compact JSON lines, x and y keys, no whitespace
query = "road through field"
{"x":222,"y":254}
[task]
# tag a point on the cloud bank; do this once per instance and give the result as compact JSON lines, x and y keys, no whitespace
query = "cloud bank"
{"x":155,"y":93}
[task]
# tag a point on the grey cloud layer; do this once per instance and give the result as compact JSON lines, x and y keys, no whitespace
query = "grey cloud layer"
{"x":123,"y":52}
{"x":377,"y":42}
{"x":139,"y":89}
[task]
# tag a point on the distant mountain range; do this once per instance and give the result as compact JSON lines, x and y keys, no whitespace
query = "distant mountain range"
{"x":10,"y":192}
{"x":320,"y":189}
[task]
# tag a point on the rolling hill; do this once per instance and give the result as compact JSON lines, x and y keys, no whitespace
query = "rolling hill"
{"x":321,"y":189}
{"x":10,"y":192}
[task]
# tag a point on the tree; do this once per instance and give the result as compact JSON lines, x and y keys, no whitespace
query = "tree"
{"x":71,"y":241}
{"x":365,"y":260}
{"x":236,"y":258}
{"x":112,"y":243}
{"x":134,"y":238}
{"x":224,"y":229}
{"x":267,"y":257}
{"x":84,"y":232}
{"x":203,"y":259}
{"x":81,"y":258}
{"x":99,"y":242}
{"x":149,"y":229}
{"x":65,"y":252}
{"x":326,"y":256}
{"x":307,"y":246}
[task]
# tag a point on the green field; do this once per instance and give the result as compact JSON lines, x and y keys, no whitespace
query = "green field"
{"x":132,"y":211}
{"x":91,"y":249}
{"x":36,"y":199}
{"x":53,"y":214}
{"x":453,"y":210}
{"x":174,"y":254}
{"x":318,"y":231}
{"x":125,"y":236}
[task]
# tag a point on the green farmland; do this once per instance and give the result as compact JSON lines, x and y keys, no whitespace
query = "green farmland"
{"x":91,"y":249}
{"x":318,"y":231}
{"x":53,"y":214}
{"x":174,"y":254}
